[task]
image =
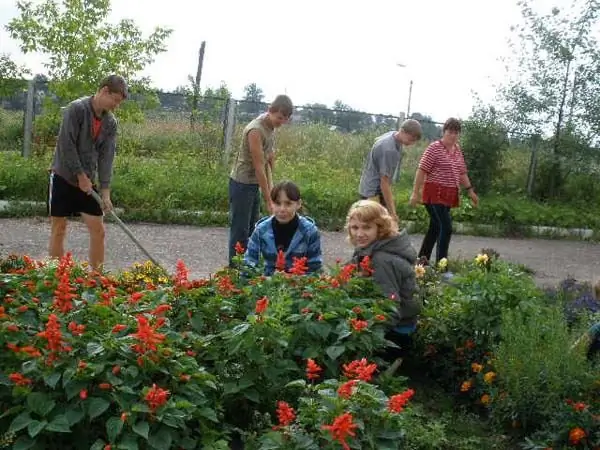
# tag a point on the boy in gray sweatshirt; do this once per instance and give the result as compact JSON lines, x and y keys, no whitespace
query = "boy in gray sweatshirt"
{"x":85,"y":150}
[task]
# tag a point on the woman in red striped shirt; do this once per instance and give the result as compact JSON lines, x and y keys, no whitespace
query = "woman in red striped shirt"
{"x":442,"y":170}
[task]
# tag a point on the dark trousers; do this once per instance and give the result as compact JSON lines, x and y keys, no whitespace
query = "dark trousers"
{"x":402,"y":340}
{"x":438,"y":233}
{"x":244,"y":210}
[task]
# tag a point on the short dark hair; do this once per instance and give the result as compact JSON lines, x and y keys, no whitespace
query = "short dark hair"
{"x":116,"y":84}
{"x":291,"y":191}
{"x":282,"y":104}
{"x":452,"y":124}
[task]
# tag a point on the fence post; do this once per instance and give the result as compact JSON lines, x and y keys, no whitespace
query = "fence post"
{"x":229,"y":129}
{"x":532,"y":164}
{"x":28,"y":120}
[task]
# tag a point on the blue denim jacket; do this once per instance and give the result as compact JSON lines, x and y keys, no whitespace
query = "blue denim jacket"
{"x":305,"y":242}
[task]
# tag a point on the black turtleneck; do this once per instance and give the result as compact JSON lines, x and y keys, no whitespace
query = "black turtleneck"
{"x":284,"y":232}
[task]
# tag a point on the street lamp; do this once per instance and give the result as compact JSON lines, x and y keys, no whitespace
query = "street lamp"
{"x":409,"y":91}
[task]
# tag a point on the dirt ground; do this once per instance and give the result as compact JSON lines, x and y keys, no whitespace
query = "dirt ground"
{"x":204,"y":250}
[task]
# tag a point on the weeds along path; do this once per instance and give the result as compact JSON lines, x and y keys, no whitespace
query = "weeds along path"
{"x":204,"y":249}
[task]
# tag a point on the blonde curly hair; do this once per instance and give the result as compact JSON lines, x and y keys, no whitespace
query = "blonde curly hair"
{"x":368,"y":211}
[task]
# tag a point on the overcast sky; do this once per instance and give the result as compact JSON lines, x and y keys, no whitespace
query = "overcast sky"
{"x":323,"y":50}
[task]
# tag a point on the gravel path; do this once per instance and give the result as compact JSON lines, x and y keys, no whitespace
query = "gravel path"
{"x":204,"y":249}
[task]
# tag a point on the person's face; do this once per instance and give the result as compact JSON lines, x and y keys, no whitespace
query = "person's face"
{"x":362,"y":234}
{"x":407,"y":139}
{"x":451,"y":137}
{"x":285,"y":209}
{"x":277,"y":119}
{"x":110,"y":100}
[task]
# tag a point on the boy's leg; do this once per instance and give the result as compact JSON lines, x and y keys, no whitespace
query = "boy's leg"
{"x":241,"y":205}
{"x":95,"y":226}
{"x":59,"y":207}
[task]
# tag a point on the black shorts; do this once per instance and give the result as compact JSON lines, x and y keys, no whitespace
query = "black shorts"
{"x":66,"y":200}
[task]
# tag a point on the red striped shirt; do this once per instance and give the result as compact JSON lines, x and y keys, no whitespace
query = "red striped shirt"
{"x":444,"y":169}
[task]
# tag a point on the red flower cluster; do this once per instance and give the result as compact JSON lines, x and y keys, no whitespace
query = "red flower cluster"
{"x":299,"y":267}
{"x":156,"y":397}
{"x":239,"y":249}
{"x":365,"y":266}
{"x":312,"y":369}
{"x":361,"y":370}
{"x":19,"y":379}
{"x":347,"y":389}
{"x":359,"y":325}
{"x":397,"y":402}
{"x":181,"y":277}
{"x":341,"y":429}
{"x":64,"y":293}
{"x":285,"y":414}
{"x":53,"y":336}
{"x":261,"y":305}
{"x":280,"y":261}
{"x":346,"y":273}
{"x":75,"y":329}
{"x":147,"y":335}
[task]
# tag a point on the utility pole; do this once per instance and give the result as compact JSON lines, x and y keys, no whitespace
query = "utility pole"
{"x":409,"y":98}
{"x":197,"y":84}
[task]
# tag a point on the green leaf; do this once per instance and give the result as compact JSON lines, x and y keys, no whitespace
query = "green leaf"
{"x":335,"y":351}
{"x":98,"y":445}
{"x":74,"y":415}
{"x":142,"y":428}
{"x":161,"y":440}
{"x":129,"y":442}
{"x":23,"y":443}
{"x":60,"y":424}
{"x":296,"y":384}
{"x":35,"y":426}
{"x":97,"y":406}
{"x":252,"y":395}
{"x":20,"y":422}
{"x":94,"y":348}
{"x":209,"y":414}
{"x":188,"y":443}
{"x":67,"y":376}
{"x":40,"y":403}
{"x":52,"y":379}
{"x":197,"y":322}
{"x":114,"y":426}
{"x":11,"y":411}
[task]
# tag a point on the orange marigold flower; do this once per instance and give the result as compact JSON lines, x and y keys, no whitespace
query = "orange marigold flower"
{"x":341,"y":429}
{"x":489,"y":377}
{"x":466,"y":386}
{"x":261,"y":305}
{"x":360,"y":369}
{"x":285,"y":414}
{"x":3,"y":314}
{"x":347,"y":389}
{"x":576,"y":435}
{"x":476,"y":368}
{"x":359,"y":325}
{"x":156,"y":397}
{"x":397,"y":402}
{"x":312,"y":369}
{"x":485,"y":399}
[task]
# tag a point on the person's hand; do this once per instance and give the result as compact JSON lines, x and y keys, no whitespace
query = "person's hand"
{"x":414,"y":199}
{"x":84,"y":183}
{"x":474,"y":198}
{"x":107,"y":205}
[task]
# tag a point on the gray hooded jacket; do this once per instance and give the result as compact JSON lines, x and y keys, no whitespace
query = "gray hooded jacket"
{"x":393,"y":261}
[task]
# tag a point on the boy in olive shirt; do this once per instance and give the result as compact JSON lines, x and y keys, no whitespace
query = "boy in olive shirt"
{"x":249,"y":174}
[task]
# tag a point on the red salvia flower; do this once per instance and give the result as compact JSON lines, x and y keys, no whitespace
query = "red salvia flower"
{"x":312,"y":369}
{"x":239,"y":248}
{"x":346,"y":273}
{"x":19,"y":379}
{"x":261,"y":305}
{"x":135,"y":297}
{"x":75,"y":329}
{"x":156,"y":397}
{"x":280,"y":262}
{"x":118,"y":328}
{"x":347,"y":389}
{"x":397,"y":402}
{"x":161,"y":309}
{"x":341,"y":429}
{"x":182,"y":281}
{"x":299,"y":266}
{"x":285,"y":414}
{"x":360,"y":369}
{"x":147,"y":336}
{"x":225,"y":286}
{"x":64,"y":293}
{"x":359,"y":325}
{"x":53,"y":336}
{"x":365,"y":266}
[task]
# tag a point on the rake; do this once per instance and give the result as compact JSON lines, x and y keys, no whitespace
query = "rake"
{"x":127,"y":231}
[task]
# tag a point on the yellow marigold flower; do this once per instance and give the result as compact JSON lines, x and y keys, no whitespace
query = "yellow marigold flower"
{"x":419,"y":270}
{"x":476,"y":368}
{"x":466,"y":386}
{"x":485,"y":399}
{"x":482,"y":259}
{"x":443,"y":263}
{"x":147,"y":280}
{"x":489,"y":377}
{"x":162,"y":280}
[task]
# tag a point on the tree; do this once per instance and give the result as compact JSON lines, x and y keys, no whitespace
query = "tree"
{"x":556,"y":82}
{"x":11,"y":76}
{"x":82,"y":47}
{"x":431,"y":131}
{"x":253,"y":102}
{"x":318,"y":113}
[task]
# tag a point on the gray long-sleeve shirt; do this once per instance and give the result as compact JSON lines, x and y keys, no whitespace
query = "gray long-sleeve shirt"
{"x":76,"y":150}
